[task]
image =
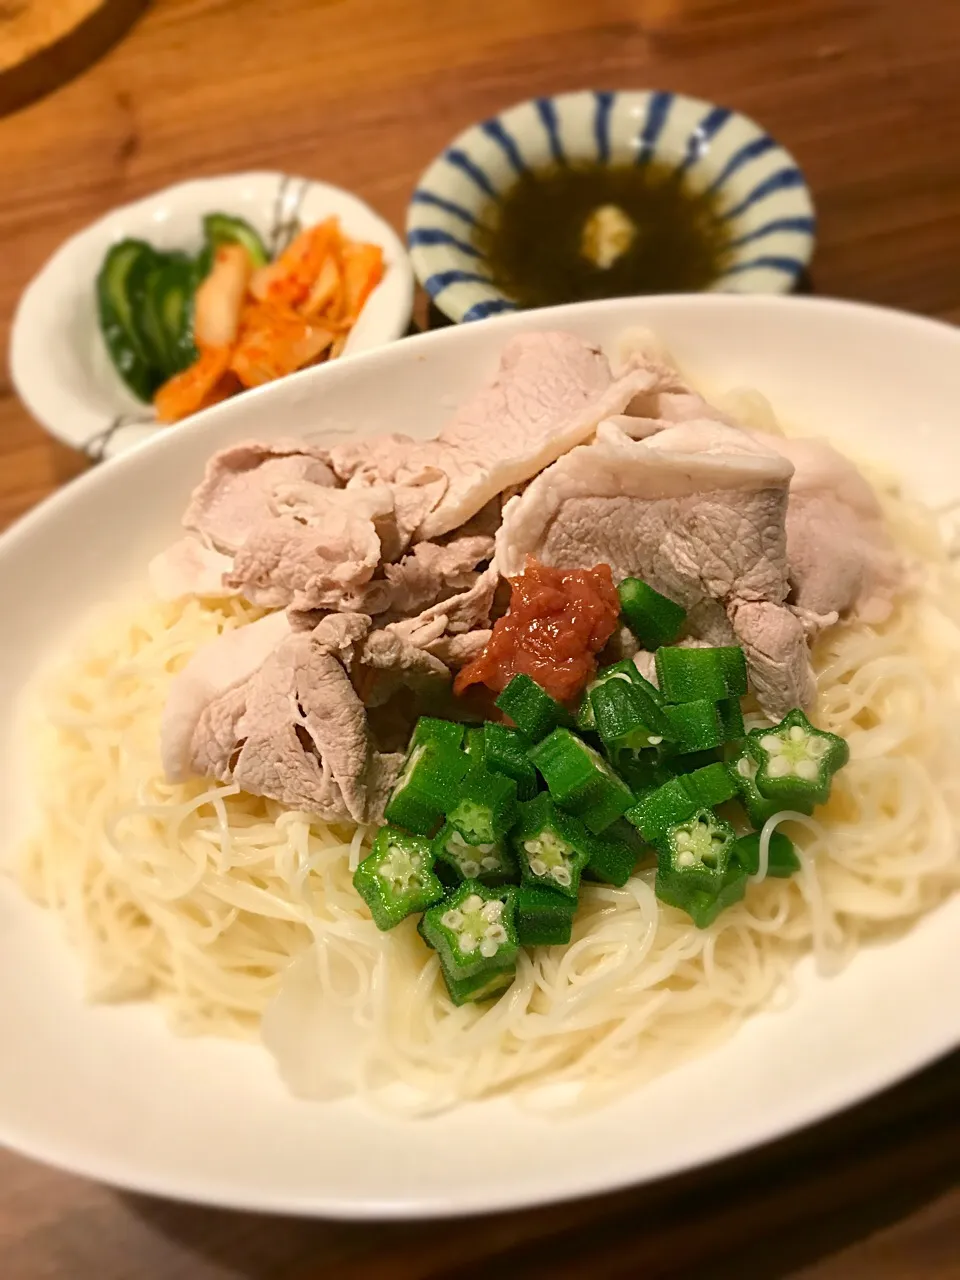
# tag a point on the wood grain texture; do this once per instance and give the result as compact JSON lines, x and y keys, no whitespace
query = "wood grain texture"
{"x":363,"y":93}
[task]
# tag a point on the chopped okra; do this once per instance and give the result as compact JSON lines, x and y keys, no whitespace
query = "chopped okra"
{"x":733,"y":663}
{"x":731,"y":719}
{"x":428,"y":781}
{"x":795,"y":761}
{"x":690,"y":675}
{"x":695,"y":726}
{"x":580,"y":780}
{"x":397,"y":879}
{"x":743,"y":770}
{"x":626,"y":672}
{"x":430,"y":729}
{"x":474,"y":934}
{"x":484,"y":807}
{"x":473,"y":744}
{"x":614,"y":853}
{"x":544,"y":918}
{"x":507,"y":751}
{"x":627,"y":717}
{"x":644,"y":771}
{"x":659,"y":810}
{"x":710,"y":786}
{"x":782,"y":860}
{"x":551,"y":846}
{"x":696,"y":870}
{"x":531,"y":708}
{"x":492,"y":862}
{"x":652,"y":618}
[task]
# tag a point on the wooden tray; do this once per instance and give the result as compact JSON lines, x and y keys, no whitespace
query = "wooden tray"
{"x":44,"y":43}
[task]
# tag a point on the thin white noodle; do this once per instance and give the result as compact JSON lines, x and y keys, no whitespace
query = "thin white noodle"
{"x":200,"y":896}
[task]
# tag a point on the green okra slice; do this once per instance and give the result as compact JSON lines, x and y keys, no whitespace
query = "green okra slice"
{"x":544,"y":917}
{"x":731,"y":719}
{"x":743,"y":770}
{"x":551,"y":846}
{"x":507,"y":751}
{"x":625,"y":672}
{"x":782,"y":860}
{"x":397,"y":878}
{"x":473,"y":930}
{"x":690,"y":675}
{"x":796,"y":761}
{"x":696,"y":870}
{"x":710,"y":786}
{"x":652,"y":618}
{"x":695,"y":726}
{"x":484,"y":807}
{"x":627,"y":718}
{"x":490,"y":862}
{"x":614,"y":853}
{"x":428,"y":782}
{"x":531,"y":708}
{"x":658,"y":810}
{"x":580,"y":780}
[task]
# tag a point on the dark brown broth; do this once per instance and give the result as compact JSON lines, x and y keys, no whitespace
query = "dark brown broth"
{"x":533,"y":238}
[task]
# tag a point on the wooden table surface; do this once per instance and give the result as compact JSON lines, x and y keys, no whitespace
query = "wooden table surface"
{"x":866,"y":93}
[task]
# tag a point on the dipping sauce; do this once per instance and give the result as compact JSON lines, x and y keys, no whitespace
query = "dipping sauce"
{"x":558,"y":621}
{"x":568,"y":233}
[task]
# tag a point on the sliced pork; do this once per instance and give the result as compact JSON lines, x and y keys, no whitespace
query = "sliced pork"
{"x":317,"y":552}
{"x":698,"y":511}
{"x":237,"y":489}
{"x":841,"y":558}
{"x":277,"y":713}
{"x":551,"y":391}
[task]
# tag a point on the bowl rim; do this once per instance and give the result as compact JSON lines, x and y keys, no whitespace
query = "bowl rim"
{"x":53,"y":281}
{"x":461,"y":259}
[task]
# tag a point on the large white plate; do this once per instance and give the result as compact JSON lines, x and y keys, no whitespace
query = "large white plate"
{"x":108,"y":1092}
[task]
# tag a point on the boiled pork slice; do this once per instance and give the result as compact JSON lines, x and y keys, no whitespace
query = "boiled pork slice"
{"x":275,"y":712}
{"x":317,"y":552}
{"x":549,"y":394}
{"x":238,"y":486}
{"x":215,"y":669}
{"x":841,"y":558}
{"x":698,"y":511}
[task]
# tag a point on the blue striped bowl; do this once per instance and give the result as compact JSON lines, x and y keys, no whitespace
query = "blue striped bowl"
{"x":763,"y":192}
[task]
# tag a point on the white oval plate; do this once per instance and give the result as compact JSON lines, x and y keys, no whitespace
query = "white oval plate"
{"x":58,"y":360}
{"x":108,"y":1092}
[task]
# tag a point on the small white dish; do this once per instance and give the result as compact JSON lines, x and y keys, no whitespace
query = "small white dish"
{"x":58,"y":360}
{"x":109,"y":1092}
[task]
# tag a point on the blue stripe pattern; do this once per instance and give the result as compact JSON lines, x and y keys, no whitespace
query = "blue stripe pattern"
{"x":601,"y":125}
{"x":782,"y":180}
{"x":441,"y":280}
{"x":436,"y":235}
{"x":708,"y":128}
{"x":790,"y":265}
{"x":438,"y":202}
{"x":495,"y":130}
{"x":768,"y":214}
{"x":548,"y":116}
{"x":749,"y":151}
{"x":460,"y":160}
{"x":657,"y":111}
{"x":480,"y":310}
{"x":805,"y":226}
